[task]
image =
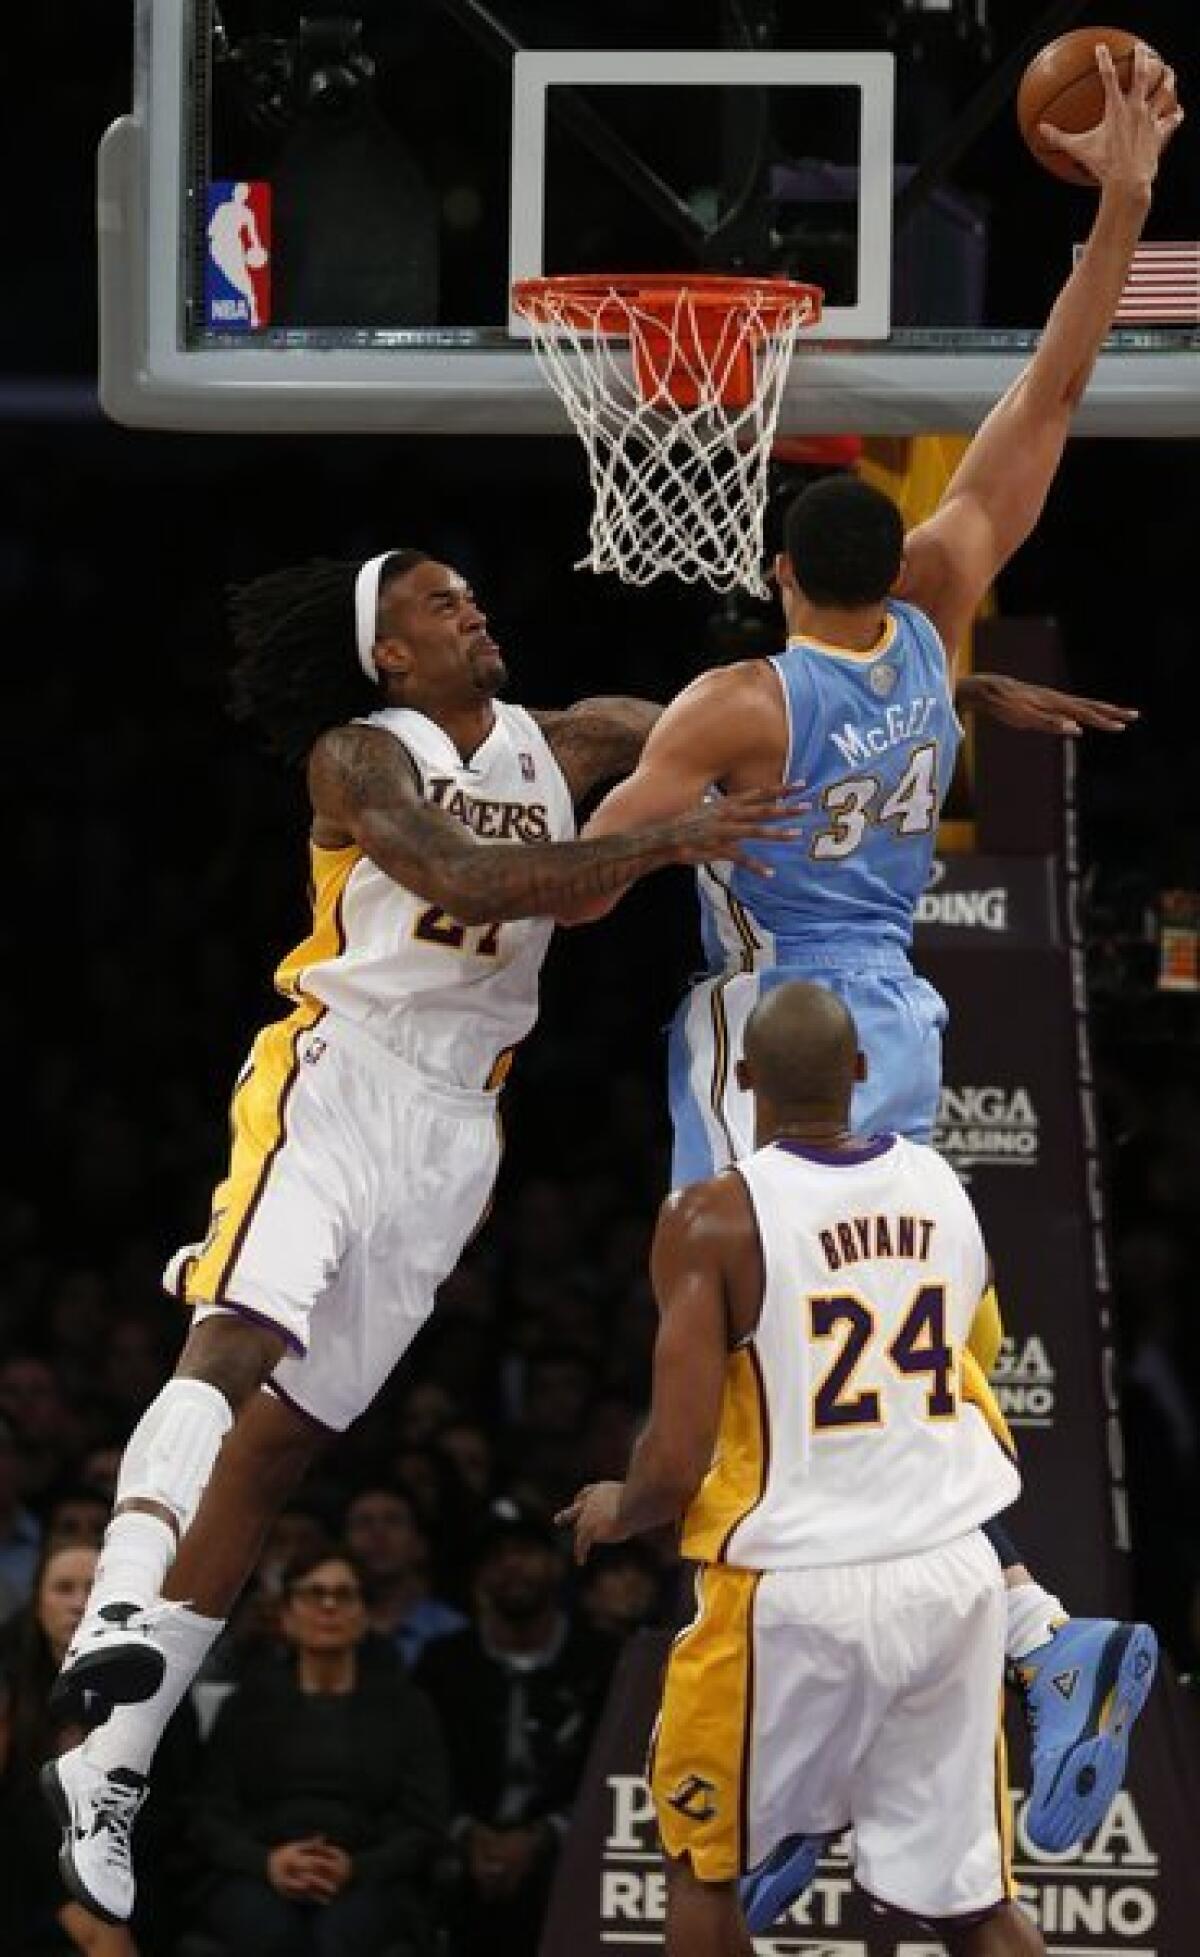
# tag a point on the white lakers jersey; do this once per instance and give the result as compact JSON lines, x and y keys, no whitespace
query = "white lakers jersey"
{"x":845,"y":1436}
{"x":452,"y":999}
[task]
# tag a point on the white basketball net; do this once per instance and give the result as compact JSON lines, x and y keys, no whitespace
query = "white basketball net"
{"x":679,"y":488}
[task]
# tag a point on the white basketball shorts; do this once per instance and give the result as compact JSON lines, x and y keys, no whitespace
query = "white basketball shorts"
{"x":865,"y":1696}
{"x":354,"y":1185}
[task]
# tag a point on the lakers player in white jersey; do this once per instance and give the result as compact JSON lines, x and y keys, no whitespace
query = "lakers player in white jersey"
{"x":364,"y":1131}
{"x":844,"y":1665}
{"x":859,"y":705}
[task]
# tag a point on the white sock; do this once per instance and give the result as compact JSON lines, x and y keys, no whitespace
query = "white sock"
{"x":1033,"y":1618}
{"x":130,"y":1734}
{"x":139,"y":1549}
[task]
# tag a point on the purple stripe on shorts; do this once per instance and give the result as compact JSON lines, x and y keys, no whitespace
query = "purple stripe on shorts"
{"x":262,"y":1318}
{"x":273,"y":1386}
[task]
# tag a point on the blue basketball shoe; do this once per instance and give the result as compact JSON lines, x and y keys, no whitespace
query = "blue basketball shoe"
{"x":1082,"y":1691}
{"x":778,"y":1880}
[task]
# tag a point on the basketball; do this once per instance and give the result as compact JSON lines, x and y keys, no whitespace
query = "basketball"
{"x":1062,"y":86}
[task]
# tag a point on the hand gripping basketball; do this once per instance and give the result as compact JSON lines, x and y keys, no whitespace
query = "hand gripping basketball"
{"x":1097,"y":106}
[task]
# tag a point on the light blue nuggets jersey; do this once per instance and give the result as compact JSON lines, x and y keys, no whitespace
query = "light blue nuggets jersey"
{"x":873,"y":737}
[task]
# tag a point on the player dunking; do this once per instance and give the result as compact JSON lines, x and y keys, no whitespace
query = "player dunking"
{"x":364,"y":1126}
{"x":859,"y":707}
{"x":845,"y":1661}
{"x":410,"y":994}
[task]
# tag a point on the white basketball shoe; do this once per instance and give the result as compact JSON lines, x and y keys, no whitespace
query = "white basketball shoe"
{"x":114,"y":1659}
{"x":97,"y":1809}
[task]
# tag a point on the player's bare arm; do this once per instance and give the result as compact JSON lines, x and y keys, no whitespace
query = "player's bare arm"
{"x":727,"y":727}
{"x":599,"y":739}
{"x":1038,"y":709}
{"x":996,"y":495}
{"x":365,"y":792}
{"x":706,"y":1269}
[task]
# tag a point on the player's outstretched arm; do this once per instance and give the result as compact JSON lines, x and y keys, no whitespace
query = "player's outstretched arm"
{"x":698,"y":1231}
{"x":598,"y":739}
{"x":727,"y":722}
{"x":996,"y":495}
{"x":365,"y":792}
{"x":1038,"y":709}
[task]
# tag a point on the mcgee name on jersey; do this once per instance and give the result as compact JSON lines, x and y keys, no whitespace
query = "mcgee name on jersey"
{"x":904,"y":721}
{"x":500,"y":822}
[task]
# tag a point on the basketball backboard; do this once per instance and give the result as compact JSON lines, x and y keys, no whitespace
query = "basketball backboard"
{"x":315,"y":223}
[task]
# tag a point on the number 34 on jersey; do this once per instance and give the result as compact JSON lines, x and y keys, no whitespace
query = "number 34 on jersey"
{"x":858,"y":803}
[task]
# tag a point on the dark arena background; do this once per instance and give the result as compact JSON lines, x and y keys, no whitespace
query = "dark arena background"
{"x":155,"y":871}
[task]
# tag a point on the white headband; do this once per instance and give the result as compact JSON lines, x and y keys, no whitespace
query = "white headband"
{"x":366,"y":610}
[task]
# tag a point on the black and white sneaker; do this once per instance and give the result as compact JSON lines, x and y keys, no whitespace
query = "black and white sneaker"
{"x":114,"y":1659}
{"x":96,"y":1809}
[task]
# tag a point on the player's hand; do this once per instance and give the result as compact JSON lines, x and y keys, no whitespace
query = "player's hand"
{"x":1039,"y":709}
{"x":719,"y":829}
{"x":594,"y":1517}
{"x":1136,"y":127}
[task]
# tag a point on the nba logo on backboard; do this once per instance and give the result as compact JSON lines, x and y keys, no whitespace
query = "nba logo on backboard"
{"x":237,"y":261}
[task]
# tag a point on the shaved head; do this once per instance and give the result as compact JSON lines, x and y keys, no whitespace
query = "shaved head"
{"x":801,"y":1051}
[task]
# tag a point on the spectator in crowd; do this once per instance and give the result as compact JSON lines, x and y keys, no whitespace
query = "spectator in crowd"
{"x":556,"y":1405}
{"x":424,"y":1409}
{"x":78,"y":1515}
{"x":324,"y":1800}
{"x":77,"y":1309}
{"x":100,"y":1467}
{"x":519,"y":1694}
{"x":621,"y":1589}
{"x":382,"y":1532}
{"x":446,"y":1512}
{"x":20,"y":1532}
{"x":47,"y":1431}
{"x":468,"y":1447}
{"x":40,"y":1917}
{"x":254,"y":1634}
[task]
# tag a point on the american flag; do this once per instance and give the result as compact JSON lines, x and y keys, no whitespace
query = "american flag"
{"x":1163,"y":286}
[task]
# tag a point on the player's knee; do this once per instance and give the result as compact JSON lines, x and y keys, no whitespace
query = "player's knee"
{"x":272,"y":1447}
{"x":1007,"y":1932}
{"x":170,"y":1454}
{"x":1025,"y":1939}
{"x":233,"y":1354}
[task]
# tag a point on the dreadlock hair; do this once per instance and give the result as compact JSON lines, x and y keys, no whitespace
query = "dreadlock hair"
{"x":299,"y":670}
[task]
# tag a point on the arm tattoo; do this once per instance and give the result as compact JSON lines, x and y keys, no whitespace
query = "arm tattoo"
{"x":596,"y":740}
{"x":548,"y":879}
{"x":365,"y":779}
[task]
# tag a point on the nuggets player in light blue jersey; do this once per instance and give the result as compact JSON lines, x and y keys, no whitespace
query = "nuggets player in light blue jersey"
{"x":872,"y":733}
{"x":858,"y":706}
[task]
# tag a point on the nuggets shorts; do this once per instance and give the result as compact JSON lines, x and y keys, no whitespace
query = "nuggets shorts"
{"x":900,"y":1020}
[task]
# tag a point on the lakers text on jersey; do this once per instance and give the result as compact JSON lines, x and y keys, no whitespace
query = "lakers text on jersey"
{"x":451,"y":999}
